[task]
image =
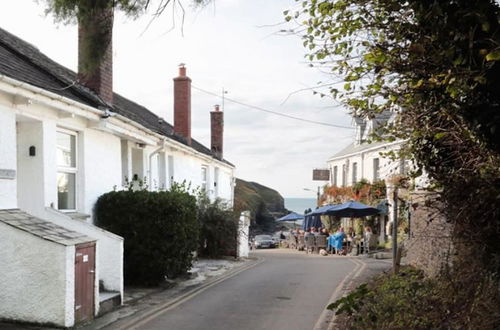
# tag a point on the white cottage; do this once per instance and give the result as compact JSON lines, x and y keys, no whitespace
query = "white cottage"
{"x":363,"y":160}
{"x":65,"y":140}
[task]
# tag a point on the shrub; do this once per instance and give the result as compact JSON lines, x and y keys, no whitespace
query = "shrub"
{"x":409,"y":300}
{"x":219,"y":228}
{"x":160,"y":231}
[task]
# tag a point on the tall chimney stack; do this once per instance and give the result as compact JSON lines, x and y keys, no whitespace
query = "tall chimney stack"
{"x":182,"y":104}
{"x":217,"y":131}
{"x":95,"y":63}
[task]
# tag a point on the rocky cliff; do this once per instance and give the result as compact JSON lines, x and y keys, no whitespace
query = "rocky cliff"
{"x":263,"y":202}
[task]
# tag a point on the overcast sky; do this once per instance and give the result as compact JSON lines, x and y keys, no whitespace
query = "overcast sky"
{"x":232,"y":45}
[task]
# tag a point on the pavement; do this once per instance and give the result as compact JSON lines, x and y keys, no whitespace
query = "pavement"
{"x":274,"y":289}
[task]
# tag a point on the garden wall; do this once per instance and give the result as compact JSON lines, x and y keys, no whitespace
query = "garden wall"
{"x":429,"y":246}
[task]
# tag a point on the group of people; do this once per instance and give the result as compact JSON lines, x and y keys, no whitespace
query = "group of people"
{"x":338,"y":242}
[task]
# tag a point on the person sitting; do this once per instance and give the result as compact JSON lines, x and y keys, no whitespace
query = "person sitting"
{"x":339,"y":240}
{"x":324,"y":232}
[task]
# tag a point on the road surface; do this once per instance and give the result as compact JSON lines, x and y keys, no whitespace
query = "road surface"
{"x":287,"y":291}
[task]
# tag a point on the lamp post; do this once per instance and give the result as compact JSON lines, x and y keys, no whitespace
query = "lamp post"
{"x":317,"y":194}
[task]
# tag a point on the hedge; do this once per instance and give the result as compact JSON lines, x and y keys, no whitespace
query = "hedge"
{"x":160,"y":229}
{"x":219,"y":228}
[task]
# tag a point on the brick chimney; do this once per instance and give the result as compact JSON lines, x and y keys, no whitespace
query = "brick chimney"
{"x":182,"y":104}
{"x":217,"y":131}
{"x":97,"y":76}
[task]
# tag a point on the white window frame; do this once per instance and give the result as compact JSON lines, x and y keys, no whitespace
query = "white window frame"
{"x":354,"y":172}
{"x":344,"y":175}
{"x":376,"y":169}
{"x":335,"y":175}
{"x":69,"y":170}
{"x":204,"y":180}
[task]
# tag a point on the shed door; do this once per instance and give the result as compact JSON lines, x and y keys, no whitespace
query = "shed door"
{"x":84,"y":282}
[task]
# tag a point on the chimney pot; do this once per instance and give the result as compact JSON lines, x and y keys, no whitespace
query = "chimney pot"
{"x":182,"y":70}
{"x":217,"y":132}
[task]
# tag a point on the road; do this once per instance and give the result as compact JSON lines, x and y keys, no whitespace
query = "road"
{"x":287,"y":291}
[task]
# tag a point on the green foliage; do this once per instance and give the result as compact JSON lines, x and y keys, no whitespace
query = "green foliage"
{"x":97,"y":17}
{"x":160,"y":230}
{"x":409,"y":300}
{"x":434,"y":65}
{"x":219,"y":228}
{"x":260,"y":201}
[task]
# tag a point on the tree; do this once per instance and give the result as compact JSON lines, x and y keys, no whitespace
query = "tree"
{"x":435,"y":66}
{"x":98,"y":14}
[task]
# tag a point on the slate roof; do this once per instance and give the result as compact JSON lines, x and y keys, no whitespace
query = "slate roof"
{"x":42,"y":228}
{"x":24,"y":62}
{"x":352,"y":148}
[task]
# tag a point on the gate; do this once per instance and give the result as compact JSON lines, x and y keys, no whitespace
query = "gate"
{"x":84,"y":282}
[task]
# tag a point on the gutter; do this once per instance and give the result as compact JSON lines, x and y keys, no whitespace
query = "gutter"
{"x":68,"y":105}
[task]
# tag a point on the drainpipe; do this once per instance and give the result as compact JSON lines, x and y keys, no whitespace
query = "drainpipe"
{"x":162,"y":146}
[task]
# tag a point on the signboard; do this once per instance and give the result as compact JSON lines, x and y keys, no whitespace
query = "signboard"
{"x":7,"y":174}
{"x":321,"y":175}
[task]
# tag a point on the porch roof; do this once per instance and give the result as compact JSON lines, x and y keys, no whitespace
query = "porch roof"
{"x":42,"y":228}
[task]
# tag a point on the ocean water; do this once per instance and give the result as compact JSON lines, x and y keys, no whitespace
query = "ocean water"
{"x":300,"y":204}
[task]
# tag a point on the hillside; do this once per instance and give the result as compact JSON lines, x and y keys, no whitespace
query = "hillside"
{"x":263,"y":202}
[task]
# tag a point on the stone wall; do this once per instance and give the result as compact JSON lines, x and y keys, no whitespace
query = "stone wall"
{"x":429,"y":246}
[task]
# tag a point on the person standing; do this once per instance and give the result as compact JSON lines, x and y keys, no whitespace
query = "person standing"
{"x":367,"y":239}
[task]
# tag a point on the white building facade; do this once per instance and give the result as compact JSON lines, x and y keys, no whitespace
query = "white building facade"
{"x":361,"y":160}
{"x":62,"y":145}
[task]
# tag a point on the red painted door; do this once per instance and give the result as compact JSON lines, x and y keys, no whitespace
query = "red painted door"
{"x":84,"y":282}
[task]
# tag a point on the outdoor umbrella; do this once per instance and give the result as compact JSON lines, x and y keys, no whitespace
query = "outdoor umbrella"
{"x":291,"y":217}
{"x":312,"y":220}
{"x":352,"y":209}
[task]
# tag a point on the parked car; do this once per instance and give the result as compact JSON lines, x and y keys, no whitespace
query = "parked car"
{"x":264,"y":241}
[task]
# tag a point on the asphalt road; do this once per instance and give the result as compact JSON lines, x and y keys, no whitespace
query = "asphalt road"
{"x":288,"y":291}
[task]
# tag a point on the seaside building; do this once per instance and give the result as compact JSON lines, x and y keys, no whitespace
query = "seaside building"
{"x":361,"y":160}
{"x":66,"y":139}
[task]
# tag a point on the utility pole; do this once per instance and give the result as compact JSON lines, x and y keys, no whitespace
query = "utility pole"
{"x":317,"y":197}
{"x":395,"y":261}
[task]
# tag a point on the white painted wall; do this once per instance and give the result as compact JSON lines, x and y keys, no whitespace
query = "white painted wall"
{"x":36,"y":277}
{"x":109,"y":249}
{"x":102,"y":165}
{"x":243,"y":234}
{"x":30,"y":168}
{"x":364,"y":160}
{"x":8,"y":187}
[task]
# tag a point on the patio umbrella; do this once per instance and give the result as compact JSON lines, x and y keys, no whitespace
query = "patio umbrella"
{"x":312,"y":220}
{"x":291,"y":217}
{"x":352,"y":209}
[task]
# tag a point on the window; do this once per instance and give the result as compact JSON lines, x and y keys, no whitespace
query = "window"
{"x":354,"y":172}
{"x":204,"y":177}
{"x":343,"y":175}
{"x":66,"y":170}
{"x":335,"y":175}
{"x":376,"y":169}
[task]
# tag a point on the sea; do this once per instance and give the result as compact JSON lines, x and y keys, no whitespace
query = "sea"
{"x":300,"y":204}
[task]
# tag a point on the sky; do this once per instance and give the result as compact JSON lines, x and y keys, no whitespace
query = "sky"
{"x":233,"y":45}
